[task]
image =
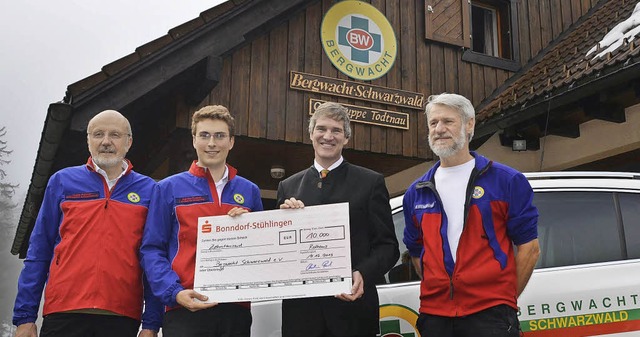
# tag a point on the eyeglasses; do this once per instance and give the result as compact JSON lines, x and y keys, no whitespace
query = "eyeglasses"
{"x":205,"y":136}
{"x":98,"y":135}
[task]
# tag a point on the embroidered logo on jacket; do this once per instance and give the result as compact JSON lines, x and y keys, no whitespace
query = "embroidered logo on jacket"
{"x":133,"y":197}
{"x":478,"y":192}
{"x":83,"y":196}
{"x":238,"y":198}
{"x":191,"y":200}
{"x":424,"y":206}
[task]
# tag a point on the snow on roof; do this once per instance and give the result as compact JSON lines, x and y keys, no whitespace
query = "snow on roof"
{"x":625,"y":30}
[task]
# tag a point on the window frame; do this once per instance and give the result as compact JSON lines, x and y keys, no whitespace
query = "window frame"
{"x":547,"y":247}
{"x":498,"y":48}
{"x":500,"y":6}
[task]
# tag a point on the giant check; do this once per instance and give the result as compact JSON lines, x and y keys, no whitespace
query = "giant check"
{"x":278,"y":254}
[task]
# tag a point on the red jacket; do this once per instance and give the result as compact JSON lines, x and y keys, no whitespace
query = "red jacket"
{"x":85,"y":246}
{"x":499,"y":213}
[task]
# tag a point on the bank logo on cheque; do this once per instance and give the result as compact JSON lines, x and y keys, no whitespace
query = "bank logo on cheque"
{"x":358,"y":40}
{"x":397,"y":321}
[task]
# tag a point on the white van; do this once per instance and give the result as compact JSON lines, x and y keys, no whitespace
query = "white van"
{"x":586,"y":282}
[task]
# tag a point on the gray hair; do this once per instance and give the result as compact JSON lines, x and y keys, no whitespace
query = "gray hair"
{"x":456,"y":102}
{"x":334,"y":111}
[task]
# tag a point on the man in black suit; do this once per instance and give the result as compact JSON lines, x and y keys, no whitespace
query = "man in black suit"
{"x":374,"y":247}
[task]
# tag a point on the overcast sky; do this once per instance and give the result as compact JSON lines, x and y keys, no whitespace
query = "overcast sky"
{"x":47,"y":45}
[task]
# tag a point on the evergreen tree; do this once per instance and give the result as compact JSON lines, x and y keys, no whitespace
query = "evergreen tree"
{"x":7,"y":189}
{"x":9,"y":264}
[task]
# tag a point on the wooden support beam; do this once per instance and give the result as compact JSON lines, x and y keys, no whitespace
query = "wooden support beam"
{"x":210,"y":78}
{"x":606,"y":111}
{"x":564,"y":129}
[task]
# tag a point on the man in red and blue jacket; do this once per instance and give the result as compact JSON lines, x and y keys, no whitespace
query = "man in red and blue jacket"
{"x":463,"y":218}
{"x":85,"y":243}
{"x":168,"y":253}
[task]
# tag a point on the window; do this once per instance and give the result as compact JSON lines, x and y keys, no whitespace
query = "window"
{"x":485,"y":29}
{"x":490,"y":28}
{"x":578,"y":228}
{"x":403,"y":271}
{"x":630,"y":209}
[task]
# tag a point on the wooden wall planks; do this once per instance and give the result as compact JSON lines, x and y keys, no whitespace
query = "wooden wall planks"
{"x":255,"y":77}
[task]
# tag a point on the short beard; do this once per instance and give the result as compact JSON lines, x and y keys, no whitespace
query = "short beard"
{"x":107,"y":163}
{"x":445,"y":152}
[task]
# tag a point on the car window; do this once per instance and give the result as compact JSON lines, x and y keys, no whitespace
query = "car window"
{"x":398,"y":223}
{"x":630,"y":209}
{"x":578,"y":228}
{"x":403,"y":271}
{"x":573,"y":228}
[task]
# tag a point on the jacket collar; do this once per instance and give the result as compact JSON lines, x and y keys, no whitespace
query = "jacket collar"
{"x":200,"y":171}
{"x":481,"y":165}
{"x":92,"y":166}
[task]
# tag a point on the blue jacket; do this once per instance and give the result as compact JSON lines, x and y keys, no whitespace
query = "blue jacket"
{"x":84,"y":246}
{"x":498,"y":214}
{"x":168,"y":252}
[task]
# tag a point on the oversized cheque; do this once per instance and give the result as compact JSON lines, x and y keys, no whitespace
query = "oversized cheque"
{"x":275,"y":254}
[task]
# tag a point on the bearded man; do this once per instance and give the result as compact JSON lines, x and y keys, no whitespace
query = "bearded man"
{"x":84,"y":246}
{"x":463,"y":218}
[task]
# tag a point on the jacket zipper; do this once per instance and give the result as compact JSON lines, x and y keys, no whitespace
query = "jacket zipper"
{"x":107,"y":191}
{"x":451,"y":286}
{"x":432,"y":187}
{"x":107,"y":194}
{"x":474,"y":174}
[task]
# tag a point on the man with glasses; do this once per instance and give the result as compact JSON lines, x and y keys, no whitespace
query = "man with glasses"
{"x":168,"y":253}
{"x":84,"y":245}
{"x":374,"y":247}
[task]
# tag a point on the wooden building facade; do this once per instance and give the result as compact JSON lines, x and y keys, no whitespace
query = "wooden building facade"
{"x":243,"y":54}
{"x":254,"y":81}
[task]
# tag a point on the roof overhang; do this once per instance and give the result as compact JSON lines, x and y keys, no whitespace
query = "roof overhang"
{"x":170,"y":62}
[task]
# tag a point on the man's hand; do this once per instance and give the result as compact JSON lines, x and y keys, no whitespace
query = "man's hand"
{"x":357,"y":289}
{"x":292,"y":203}
{"x":417,"y":265}
{"x":147,"y":333}
{"x":27,"y":330}
{"x":526,"y":259}
{"x":187,"y":298}
{"x":237,"y":211}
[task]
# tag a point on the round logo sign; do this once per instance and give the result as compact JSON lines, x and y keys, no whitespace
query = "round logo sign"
{"x":398,"y":321}
{"x":238,"y":198}
{"x":133,"y":197}
{"x":358,"y":40}
{"x":478,"y":192}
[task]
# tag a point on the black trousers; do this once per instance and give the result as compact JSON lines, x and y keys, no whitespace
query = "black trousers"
{"x":498,"y":321}
{"x":223,"y":320}
{"x":88,"y":325}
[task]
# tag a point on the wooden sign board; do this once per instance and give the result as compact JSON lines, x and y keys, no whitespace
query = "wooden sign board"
{"x":368,"y":115}
{"x":355,"y":90}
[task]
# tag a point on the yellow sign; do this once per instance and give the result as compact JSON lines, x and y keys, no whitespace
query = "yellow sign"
{"x":359,"y":40}
{"x":398,"y":320}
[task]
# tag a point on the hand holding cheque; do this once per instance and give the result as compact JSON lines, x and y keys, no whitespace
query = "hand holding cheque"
{"x":357,"y":288}
{"x":304,"y":252}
